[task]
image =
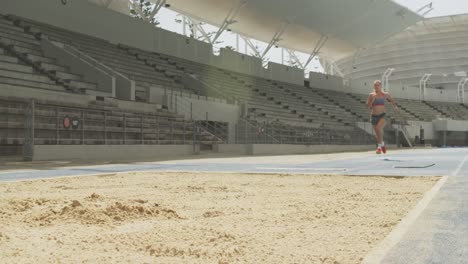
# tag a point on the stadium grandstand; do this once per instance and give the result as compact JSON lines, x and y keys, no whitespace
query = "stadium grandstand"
{"x":126,"y":82}
{"x":93,"y":83}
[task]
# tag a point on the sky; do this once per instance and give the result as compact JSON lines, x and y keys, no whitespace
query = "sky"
{"x":441,"y":7}
{"x":168,"y":18}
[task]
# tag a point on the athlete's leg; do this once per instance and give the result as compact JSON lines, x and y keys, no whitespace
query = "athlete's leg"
{"x":378,"y":133}
{"x":380,"y":125}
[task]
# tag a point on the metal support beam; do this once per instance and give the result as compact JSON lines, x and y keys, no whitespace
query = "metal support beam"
{"x":158,"y":5}
{"x":336,"y":70}
{"x":276,"y":38}
{"x":323,"y":39}
{"x":230,"y":19}
{"x":199,"y":28}
{"x":422,"y":86}
{"x":294,"y":57}
{"x":425,"y":9}
{"x":385,"y":77}
{"x":252,"y":46}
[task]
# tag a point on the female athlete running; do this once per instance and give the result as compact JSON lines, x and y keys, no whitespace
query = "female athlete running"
{"x":376,"y":102}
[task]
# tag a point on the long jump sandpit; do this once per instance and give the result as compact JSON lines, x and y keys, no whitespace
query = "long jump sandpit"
{"x":176,"y":217}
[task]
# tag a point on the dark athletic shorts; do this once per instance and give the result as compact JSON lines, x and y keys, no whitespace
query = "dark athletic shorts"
{"x":376,"y":118}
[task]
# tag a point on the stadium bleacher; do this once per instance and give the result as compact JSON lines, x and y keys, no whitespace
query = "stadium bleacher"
{"x":274,"y":112}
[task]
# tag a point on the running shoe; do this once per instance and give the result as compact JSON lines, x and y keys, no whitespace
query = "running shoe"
{"x":378,"y":151}
{"x":384,"y":150}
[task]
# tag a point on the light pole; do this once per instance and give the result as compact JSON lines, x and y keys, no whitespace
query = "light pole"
{"x":385,"y":77}
{"x":422,"y":86}
{"x":461,"y":90}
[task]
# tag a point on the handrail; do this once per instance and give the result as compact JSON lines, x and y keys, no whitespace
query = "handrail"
{"x":197,"y":116}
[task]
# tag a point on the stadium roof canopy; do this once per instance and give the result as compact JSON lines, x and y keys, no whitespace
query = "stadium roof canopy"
{"x":301,"y":25}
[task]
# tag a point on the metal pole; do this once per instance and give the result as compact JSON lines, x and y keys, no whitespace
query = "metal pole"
{"x":184,"y":26}
{"x":236,"y":134}
{"x":141,"y":131}
{"x":184,"y":132}
{"x":57,"y":135}
{"x":193,"y":136}
{"x":82,"y":128}
{"x":28,"y":145}
{"x":282,"y":56}
{"x":157,"y":130}
{"x":172,"y":133}
{"x":463,"y":91}
{"x":105,"y":128}
{"x":124,"y":130}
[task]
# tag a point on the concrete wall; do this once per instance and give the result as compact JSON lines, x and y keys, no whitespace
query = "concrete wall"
{"x":415,"y":127}
{"x":111,"y":152}
{"x":234,"y":149}
{"x":208,"y":110}
{"x":279,"y":72}
{"x":74,"y":99}
{"x":158,"y":152}
{"x":239,"y":62}
{"x":450,"y":125}
{"x":263,"y":149}
{"x":325,"y":81}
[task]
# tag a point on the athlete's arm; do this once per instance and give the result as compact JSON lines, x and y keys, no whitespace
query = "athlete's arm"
{"x":392,"y":101}
{"x":370,"y":100}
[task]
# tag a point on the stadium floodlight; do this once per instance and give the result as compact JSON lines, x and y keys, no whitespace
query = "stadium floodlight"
{"x":461,"y":90}
{"x":422,"y":86}
{"x":385,"y":77}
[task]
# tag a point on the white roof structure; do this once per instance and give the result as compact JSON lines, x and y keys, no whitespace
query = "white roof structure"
{"x":336,"y":27}
{"x":436,"y":46}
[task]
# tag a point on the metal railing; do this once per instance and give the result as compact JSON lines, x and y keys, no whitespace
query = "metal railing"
{"x":180,"y":106}
{"x":281,"y":133}
{"x":52,"y":124}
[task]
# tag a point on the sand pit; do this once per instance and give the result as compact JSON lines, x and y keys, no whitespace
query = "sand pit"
{"x":202,"y":218}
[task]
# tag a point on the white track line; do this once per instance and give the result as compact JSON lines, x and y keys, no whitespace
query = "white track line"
{"x":457,"y":170}
{"x":377,"y":254}
{"x":302,"y":169}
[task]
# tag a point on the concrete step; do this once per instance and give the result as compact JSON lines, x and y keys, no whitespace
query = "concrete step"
{"x":68,"y":76}
{"x":4,"y":58}
{"x":4,"y":21}
{"x":11,"y":110}
{"x":25,"y":50}
{"x":41,"y":58}
{"x":31,"y":84}
{"x":10,"y":27}
{"x":24,"y":76}
{"x":13,"y":30}
{"x":15,"y":67}
{"x":20,"y":36}
{"x":53,"y":67}
{"x":82,"y":85}
{"x":19,"y":43}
